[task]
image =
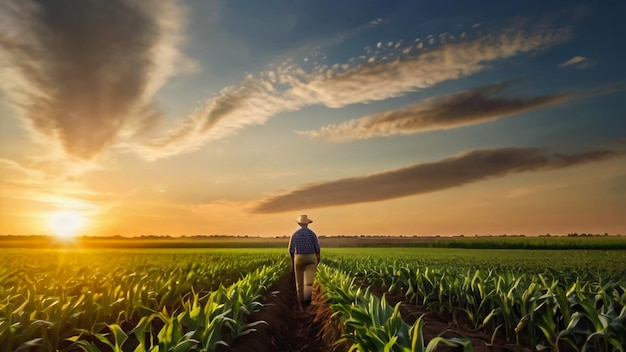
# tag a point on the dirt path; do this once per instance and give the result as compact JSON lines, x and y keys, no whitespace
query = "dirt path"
{"x":291,"y":327}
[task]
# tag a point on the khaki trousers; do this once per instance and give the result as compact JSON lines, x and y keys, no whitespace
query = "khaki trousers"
{"x":304,"y":267}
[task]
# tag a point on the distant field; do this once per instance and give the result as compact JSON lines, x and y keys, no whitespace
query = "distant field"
{"x":588,"y":260}
{"x":613,"y":261}
{"x":599,"y":242}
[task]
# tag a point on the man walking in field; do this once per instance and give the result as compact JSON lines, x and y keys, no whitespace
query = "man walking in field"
{"x":304,"y":249}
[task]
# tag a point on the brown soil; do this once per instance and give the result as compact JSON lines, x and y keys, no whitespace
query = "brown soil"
{"x":438,"y":324}
{"x":291,"y":327}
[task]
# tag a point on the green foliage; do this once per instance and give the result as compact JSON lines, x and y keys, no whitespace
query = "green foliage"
{"x":195,"y":300}
{"x":550,"y":307}
{"x":83,"y":298}
{"x":370,"y":323}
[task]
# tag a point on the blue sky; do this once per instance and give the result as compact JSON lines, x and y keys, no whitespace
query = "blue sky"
{"x":234,"y":117}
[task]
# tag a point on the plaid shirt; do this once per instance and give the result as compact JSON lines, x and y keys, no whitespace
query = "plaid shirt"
{"x":303,"y":241}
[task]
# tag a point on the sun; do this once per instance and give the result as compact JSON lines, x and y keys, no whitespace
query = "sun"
{"x":66,"y":224}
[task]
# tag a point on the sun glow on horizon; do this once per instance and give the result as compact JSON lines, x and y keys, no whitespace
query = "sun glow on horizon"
{"x":66,"y":224}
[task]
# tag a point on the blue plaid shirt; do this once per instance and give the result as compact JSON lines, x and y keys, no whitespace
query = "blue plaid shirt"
{"x":303,"y":241}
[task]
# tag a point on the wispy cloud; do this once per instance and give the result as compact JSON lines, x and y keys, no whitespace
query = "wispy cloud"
{"x":455,"y":110}
{"x":579,"y":62}
{"x":83,"y":72}
{"x":524,"y":191}
{"x":32,"y":182}
{"x":381,"y":79}
{"x":291,"y":87}
{"x":377,"y":22}
{"x":452,"y":172}
{"x":235,"y":108}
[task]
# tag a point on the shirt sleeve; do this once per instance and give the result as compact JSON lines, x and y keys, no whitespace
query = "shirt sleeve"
{"x":291,"y":247}
{"x":316,"y":243}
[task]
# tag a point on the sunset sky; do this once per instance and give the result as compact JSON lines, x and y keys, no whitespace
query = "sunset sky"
{"x":202,"y":117}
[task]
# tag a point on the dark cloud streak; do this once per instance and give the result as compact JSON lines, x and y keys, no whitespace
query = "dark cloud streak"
{"x":452,"y":172}
{"x":468,"y":107}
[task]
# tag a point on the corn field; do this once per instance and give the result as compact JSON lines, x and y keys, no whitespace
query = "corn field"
{"x":542,"y":309}
{"x":201,"y":300}
{"x":106,"y":301}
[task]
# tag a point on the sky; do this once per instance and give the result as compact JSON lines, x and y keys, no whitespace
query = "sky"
{"x":203,"y":117}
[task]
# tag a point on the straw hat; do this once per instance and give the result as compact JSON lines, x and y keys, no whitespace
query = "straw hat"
{"x":303,"y":219}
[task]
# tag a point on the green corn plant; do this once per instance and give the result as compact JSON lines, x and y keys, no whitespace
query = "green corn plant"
{"x":199,"y":323}
{"x":143,"y":333}
{"x":119,"y":337}
{"x":212,"y":319}
{"x":370,"y":323}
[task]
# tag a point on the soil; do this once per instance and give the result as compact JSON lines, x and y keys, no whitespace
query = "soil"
{"x":291,"y":327}
{"x":313,"y":329}
{"x":438,"y":324}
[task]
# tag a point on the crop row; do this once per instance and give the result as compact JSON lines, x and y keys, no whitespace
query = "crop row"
{"x":546,"y":310}
{"x":49,"y":299}
{"x":197,"y":326}
{"x":370,"y":323}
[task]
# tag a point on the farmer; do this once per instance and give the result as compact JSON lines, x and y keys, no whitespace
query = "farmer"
{"x":304,"y":249}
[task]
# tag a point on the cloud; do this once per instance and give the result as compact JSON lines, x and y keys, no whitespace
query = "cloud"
{"x":291,"y":88}
{"x":524,"y":191}
{"x":455,"y":110}
{"x":452,"y":172}
{"x":48,"y":184}
{"x":82,"y":72}
{"x":387,"y":79}
{"x":235,"y":108}
{"x":578,"y":62}
{"x":377,"y":22}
